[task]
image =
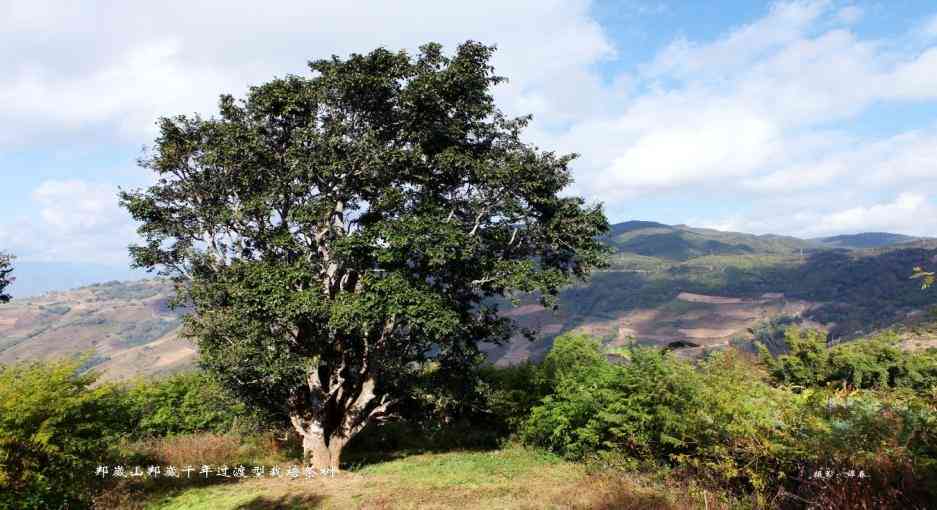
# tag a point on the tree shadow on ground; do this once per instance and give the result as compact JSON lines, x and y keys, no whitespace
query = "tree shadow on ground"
{"x":285,"y":502}
{"x":133,"y":493}
{"x":393,"y":441}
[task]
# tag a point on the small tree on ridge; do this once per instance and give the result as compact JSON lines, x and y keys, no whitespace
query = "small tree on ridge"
{"x":6,"y":268}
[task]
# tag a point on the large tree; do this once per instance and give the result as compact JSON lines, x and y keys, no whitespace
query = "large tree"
{"x":6,"y":268}
{"x":335,"y":232}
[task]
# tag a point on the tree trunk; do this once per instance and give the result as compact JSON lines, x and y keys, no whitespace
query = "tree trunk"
{"x":327,"y":419}
{"x":321,"y":454}
{"x":322,"y":450}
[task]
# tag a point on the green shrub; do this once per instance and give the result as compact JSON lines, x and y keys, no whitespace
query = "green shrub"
{"x":598,"y":405}
{"x":55,"y":428}
{"x":806,"y":362}
{"x":184,"y":403}
{"x":511,"y":392}
{"x":722,"y":422}
{"x":877,"y":362}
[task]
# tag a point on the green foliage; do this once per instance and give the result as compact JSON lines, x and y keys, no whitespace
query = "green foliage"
{"x":184,"y":403}
{"x":877,"y":362}
{"x":337,"y":231}
{"x":58,"y":423}
{"x":511,"y":392}
{"x":771,"y":333}
{"x":723,"y":422}
{"x":55,"y":428}
{"x":806,"y":360}
{"x":926,"y":277}
{"x":657,"y":408}
{"x":6,"y":267}
{"x":571,"y":355}
{"x":598,"y":405}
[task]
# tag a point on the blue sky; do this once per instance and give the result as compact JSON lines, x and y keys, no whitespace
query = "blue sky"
{"x":808,"y":117}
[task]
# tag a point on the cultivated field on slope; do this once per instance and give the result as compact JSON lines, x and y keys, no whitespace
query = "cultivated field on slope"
{"x":128,"y":329}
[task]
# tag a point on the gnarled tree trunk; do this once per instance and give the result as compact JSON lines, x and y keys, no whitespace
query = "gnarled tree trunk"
{"x":331,"y":414}
{"x":322,"y":453}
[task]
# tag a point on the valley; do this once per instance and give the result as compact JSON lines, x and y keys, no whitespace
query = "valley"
{"x":690,"y":289}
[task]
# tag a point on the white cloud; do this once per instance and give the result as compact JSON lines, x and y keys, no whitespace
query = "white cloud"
{"x":786,"y":22}
{"x":904,"y":213}
{"x":77,"y":221}
{"x":85,"y":72}
{"x":717,"y":142}
{"x":123,"y":66}
{"x":896,"y":162}
{"x":77,"y":206}
{"x":917,"y":77}
{"x":909,"y":213}
{"x":765,"y":110}
{"x":764,"y":115}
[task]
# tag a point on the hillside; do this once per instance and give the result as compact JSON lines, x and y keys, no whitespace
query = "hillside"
{"x":666,"y":284}
{"x":680,"y":242}
{"x":37,"y":278}
{"x":127,"y":328}
{"x":864,"y":240}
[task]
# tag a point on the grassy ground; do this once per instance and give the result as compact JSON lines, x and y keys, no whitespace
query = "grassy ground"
{"x":510,"y":478}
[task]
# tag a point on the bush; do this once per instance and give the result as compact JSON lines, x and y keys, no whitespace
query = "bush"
{"x":185,"y":403}
{"x":597,"y":405}
{"x":511,"y":392}
{"x":716,"y":418}
{"x":877,"y":362}
{"x":722,"y":422}
{"x":57,"y":424}
{"x":55,"y":428}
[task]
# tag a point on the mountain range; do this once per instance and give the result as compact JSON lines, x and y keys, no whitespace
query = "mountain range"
{"x":666,"y":285}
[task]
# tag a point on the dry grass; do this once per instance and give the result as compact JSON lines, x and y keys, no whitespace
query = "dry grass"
{"x":626,"y":491}
{"x":208,"y":448}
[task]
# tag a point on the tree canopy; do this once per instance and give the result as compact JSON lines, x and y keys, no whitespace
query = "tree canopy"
{"x":6,"y":268}
{"x":334,"y":232}
{"x":926,"y":277}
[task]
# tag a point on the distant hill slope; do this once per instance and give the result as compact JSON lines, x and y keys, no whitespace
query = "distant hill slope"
{"x":127,"y":327}
{"x":864,"y":240}
{"x":36,"y":278}
{"x":680,"y":242}
{"x":666,"y":285}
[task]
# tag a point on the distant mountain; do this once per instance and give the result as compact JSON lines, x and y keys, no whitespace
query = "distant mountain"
{"x":127,"y":327}
{"x":864,"y":240}
{"x":35,"y":278}
{"x":680,"y":242}
{"x":666,"y":285}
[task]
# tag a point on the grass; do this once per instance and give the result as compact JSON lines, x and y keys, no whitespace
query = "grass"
{"x":473,"y":470}
{"x":512,"y":477}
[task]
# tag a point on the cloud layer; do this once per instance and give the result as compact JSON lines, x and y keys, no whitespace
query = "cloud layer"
{"x":768,"y":117}
{"x":771,"y":127}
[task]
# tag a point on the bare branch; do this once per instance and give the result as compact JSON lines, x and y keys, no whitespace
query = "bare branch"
{"x":478,"y":219}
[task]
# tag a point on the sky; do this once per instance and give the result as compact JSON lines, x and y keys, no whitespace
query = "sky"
{"x":806,"y":118}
